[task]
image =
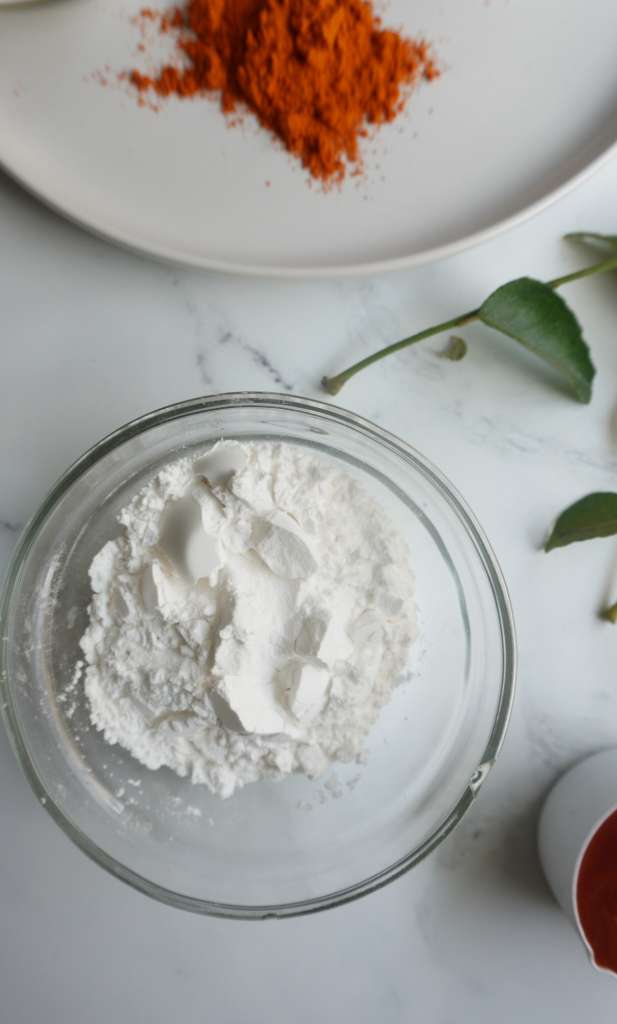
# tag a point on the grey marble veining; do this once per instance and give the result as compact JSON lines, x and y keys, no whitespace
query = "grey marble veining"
{"x":93,"y":336}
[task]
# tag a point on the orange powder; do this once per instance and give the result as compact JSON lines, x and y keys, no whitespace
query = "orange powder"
{"x":314,"y":72}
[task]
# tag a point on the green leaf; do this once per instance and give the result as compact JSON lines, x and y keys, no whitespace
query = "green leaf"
{"x":534,"y":315}
{"x":593,"y":238}
{"x":592,"y":516}
{"x":455,"y":350}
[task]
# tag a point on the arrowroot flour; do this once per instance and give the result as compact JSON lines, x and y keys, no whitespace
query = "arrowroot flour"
{"x":251,"y":620}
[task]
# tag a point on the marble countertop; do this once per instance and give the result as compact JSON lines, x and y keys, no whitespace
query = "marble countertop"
{"x":93,"y":336}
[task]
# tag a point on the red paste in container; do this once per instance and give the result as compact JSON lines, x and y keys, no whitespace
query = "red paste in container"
{"x":596,"y":894}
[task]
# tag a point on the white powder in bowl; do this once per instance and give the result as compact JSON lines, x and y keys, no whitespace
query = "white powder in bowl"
{"x":251,"y":620}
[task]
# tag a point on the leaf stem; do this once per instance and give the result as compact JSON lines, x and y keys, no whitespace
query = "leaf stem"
{"x":334,"y":384}
{"x":576,"y":275}
{"x":610,"y":614}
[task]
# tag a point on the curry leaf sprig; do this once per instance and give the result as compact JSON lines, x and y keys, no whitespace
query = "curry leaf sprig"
{"x":530,"y":312}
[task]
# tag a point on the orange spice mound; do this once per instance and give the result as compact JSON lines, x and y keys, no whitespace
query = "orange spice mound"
{"x":314,"y":72}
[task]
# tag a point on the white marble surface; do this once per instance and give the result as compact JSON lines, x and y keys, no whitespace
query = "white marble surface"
{"x":91,"y":337}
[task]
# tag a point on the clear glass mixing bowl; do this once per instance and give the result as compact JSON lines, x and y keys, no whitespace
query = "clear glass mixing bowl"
{"x":276,"y":848}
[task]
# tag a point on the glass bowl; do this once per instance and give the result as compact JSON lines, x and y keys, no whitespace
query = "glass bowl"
{"x":276,"y":848}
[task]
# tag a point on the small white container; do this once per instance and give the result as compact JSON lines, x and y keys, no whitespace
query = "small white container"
{"x":576,"y":807}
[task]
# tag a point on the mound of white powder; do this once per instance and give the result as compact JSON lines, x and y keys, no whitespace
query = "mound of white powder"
{"x":251,"y":620}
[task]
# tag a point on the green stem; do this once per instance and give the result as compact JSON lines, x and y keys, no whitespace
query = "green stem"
{"x":334,"y":384}
{"x":576,"y":275}
{"x":610,"y":614}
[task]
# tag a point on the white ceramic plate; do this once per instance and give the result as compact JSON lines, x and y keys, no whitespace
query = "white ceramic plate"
{"x":526,"y":107}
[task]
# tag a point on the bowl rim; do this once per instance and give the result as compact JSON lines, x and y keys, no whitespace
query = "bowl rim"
{"x":498,"y":589}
